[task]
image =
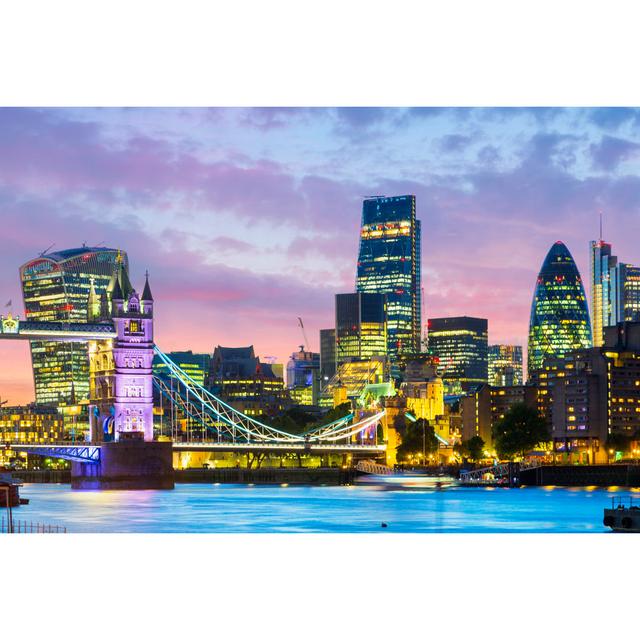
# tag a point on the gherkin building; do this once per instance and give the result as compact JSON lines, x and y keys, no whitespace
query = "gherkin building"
{"x":559,"y":313}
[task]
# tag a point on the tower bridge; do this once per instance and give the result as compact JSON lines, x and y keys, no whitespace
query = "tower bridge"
{"x":121,"y":349}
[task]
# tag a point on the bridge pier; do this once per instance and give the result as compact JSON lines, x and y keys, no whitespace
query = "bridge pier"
{"x":128,"y":464}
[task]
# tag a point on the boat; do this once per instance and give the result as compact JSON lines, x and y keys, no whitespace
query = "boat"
{"x":406,"y":481}
{"x":622,"y":517}
{"x":9,"y":493}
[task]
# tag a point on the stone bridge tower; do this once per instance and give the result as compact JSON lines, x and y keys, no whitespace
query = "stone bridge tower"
{"x":121,"y":369}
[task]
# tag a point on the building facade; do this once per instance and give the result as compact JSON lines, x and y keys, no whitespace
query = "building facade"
{"x":461,"y":345}
{"x":195,"y":365}
{"x":505,"y":365}
{"x":327,"y":355}
{"x":389,"y":263}
{"x":422,"y":387}
{"x":361,"y":326}
{"x":303,"y":377}
{"x":559,"y":319}
{"x":615,"y":291}
{"x":56,"y":288}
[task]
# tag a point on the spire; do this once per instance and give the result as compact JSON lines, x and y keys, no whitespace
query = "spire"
{"x":146,"y":294}
{"x":93,"y":302}
{"x":125,"y":283}
{"x":116,"y":294}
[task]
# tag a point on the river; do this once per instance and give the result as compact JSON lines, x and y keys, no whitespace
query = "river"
{"x":203,"y":508}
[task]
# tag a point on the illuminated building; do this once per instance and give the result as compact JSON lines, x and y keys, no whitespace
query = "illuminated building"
{"x":352,"y":379}
{"x":389,"y":263}
{"x":588,"y":395}
{"x":505,"y":365}
{"x":196,"y":365}
{"x":487,"y":404}
{"x":237,"y":376}
{"x":559,"y":315}
{"x":461,"y":345}
{"x":615,"y":290}
{"x":361,"y":326}
{"x":327,"y":355}
{"x":56,"y":288}
{"x":303,"y":376}
{"x":421,"y":386}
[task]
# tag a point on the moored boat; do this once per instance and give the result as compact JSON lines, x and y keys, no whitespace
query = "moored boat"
{"x":622,"y":518}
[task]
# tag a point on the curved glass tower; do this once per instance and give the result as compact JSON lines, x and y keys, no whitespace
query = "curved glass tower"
{"x":559,"y":314}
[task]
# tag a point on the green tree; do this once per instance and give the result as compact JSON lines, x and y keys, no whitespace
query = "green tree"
{"x":418,"y":437}
{"x":519,"y":431}
{"x":618,"y":442}
{"x":471,"y":449}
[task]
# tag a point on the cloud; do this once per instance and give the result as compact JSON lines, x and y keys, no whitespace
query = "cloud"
{"x":610,"y":152}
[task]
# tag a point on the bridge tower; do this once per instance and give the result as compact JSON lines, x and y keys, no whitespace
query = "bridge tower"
{"x":121,"y":372}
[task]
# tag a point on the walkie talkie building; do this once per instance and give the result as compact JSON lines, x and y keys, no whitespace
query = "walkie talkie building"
{"x":559,"y":314}
{"x":55,"y":288}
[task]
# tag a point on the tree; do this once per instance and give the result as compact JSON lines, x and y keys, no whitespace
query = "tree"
{"x":471,"y":449}
{"x":418,"y":437}
{"x":618,"y":442}
{"x":519,"y":431}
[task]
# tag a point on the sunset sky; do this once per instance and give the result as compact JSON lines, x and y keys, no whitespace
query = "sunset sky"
{"x":248,"y":218}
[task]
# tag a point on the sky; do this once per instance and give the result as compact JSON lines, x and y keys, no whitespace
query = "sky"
{"x":248,"y":218}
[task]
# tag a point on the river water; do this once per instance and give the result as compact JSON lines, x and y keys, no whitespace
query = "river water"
{"x":205,"y":508}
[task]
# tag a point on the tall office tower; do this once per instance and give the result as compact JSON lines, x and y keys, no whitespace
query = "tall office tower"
{"x":327,"y":355}
{"x":56,"y":288}
{"x":559,"y":315}
{"x":625,"y":294}
{"x":461,"y":345}
{"x":505,"y":365}
{"x":601,"y":264}
{"x":389,"y":263}
{"x":361,"y":326}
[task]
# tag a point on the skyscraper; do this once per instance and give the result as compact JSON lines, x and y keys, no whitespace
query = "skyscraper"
{"x":389,"y":263}
{"x":361,"y":326}
{"x":615,"y":290}
{"x":461,"y":345}
{"x":327,"y":355}
{"x":559,"y":315}
{"x":505,"y":365}
{"x":56,"y":288}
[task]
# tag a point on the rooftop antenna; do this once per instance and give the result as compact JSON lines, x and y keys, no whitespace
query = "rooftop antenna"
{"x":48,"y":249}
{"x":601,"y":226}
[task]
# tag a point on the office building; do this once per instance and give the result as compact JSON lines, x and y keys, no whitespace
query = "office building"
{"x":505,"y":365}
{"x":461,"y":345}
{"x":195,"y":365}
{"x":389,"y":263}
{"x":303,"y":377}
{"x":559,"y":315}
{"x":361,"y":326}
{"x":615,"y":290}
{"x":327,"y":355}
{"x":56,"y":288}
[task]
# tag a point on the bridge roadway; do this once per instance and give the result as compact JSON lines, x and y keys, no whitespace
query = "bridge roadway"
{"x":90,"y":454}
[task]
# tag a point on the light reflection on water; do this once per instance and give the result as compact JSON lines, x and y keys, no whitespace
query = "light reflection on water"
{"x":205,"y":508}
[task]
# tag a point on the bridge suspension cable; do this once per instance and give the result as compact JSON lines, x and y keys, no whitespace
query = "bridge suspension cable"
{"x":215,"y":415}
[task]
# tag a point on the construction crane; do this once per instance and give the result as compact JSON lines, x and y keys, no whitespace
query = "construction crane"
{"x":304,"y":333}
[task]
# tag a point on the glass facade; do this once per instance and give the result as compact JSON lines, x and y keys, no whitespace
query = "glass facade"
{"x":361,"y":326}
{"x":505,"y":365}
{"x":55,"y":288}
{"x":196,"y":365}
{"x":559,"y":315}
{"x":461,"y":345}
{"x":389,"y":263}
{"x":327,"y":355}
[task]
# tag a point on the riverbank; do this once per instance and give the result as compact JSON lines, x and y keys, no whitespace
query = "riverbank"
{"x":329,"y":476}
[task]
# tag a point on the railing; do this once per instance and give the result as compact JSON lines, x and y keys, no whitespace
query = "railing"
{"x":496,"y":472}
{"x":22,"y":526}
{"x":367,"y":466}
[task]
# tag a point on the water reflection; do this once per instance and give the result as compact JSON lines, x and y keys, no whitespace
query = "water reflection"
{"x":274,"y":509}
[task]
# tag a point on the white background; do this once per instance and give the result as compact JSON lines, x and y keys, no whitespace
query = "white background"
{"x":482,"y":53}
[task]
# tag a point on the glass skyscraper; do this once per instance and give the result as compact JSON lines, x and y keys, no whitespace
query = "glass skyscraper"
{"x":615,"y":290}
{"x":461,"y":345}
{"x":361,"y":326}
{"x":389,"y":263}
{"x":559,"y":315}
{"x":55,"y":288}
{"x":505,"y":365}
